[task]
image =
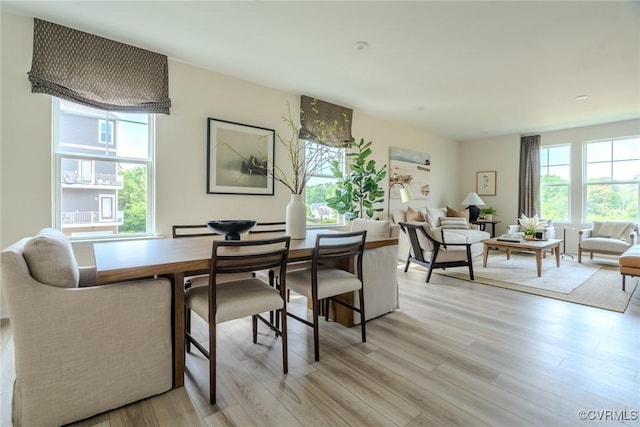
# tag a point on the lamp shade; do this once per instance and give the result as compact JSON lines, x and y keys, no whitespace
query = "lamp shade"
{"x":472,"y":199}
{"x":405,"y":194}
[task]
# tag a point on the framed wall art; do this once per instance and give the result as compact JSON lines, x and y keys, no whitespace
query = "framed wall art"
{"x":486,"y":183}
{"x":239,"y":158}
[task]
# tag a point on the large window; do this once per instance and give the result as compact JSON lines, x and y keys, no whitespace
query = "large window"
{"x":612,"y":180}
{"x":555,"y":182}
{"x":103,"y":172}
{"x":322,"y":183}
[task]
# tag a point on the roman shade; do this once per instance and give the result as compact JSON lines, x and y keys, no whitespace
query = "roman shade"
{"x":324,"y":122}
{"x":96,"y":71}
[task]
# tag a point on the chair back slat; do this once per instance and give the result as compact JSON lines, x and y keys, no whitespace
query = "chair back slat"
{"x":268,"y":227}
{"x":240,"y":256}
{"x":192,"y":230}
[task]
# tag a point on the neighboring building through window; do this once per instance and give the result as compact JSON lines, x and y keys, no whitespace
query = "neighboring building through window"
{"x":555,"y":182}
{"x":322,"y":183}
{"x":103,"y":171}
{"x":106,"y":131}
{"x":612,"y":180}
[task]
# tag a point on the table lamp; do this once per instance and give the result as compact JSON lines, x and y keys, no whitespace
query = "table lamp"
{"x":472,"y":200}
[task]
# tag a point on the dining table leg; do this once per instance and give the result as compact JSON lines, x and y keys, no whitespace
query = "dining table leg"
{"x":177,"y":280}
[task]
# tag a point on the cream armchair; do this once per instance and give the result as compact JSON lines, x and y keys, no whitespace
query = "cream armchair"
{"x":607,"y":237}
{"x":80,"y":351}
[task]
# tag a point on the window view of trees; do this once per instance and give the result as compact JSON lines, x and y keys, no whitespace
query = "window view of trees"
{"x":555,"y":182}
{"x":612,"y":180}
{"x":322,"y":185}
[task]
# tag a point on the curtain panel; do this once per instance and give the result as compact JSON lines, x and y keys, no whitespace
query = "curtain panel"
{"x":324,"y":122}
{"x":97,"y":72}
{"x":529,"y":180}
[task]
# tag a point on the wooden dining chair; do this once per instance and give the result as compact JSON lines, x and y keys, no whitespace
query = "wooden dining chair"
{"x":223,"y":301}
{"x":323,"y":281}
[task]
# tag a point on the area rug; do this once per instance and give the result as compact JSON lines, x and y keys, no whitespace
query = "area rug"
{"x":592,"y":284}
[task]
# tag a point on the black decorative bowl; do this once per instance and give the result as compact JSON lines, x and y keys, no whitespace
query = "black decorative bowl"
{"x":231,"y":228}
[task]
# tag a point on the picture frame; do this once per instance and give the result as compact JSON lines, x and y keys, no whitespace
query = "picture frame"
{"x":240,"y":158}
{"x":486,"y":183}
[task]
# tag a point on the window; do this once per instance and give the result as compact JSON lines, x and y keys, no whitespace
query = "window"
{"x":103,"y":172}
{"x":612,"y":180}
{"x":555,"y":182}
{"x":106,"y":131}
{"x":322,"y":183}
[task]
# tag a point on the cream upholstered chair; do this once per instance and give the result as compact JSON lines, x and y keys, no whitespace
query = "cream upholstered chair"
{"x":323,"y":282}
{"x":234,"y":299}
{"x":379,"y":269}
{"x":544,"y":225}
{"x":607,"y":237}
{"x":80,"y":351}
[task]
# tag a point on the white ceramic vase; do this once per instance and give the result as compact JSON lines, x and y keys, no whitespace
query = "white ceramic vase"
{"x":296,"y":218}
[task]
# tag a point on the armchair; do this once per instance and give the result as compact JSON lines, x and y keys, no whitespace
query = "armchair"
{"x":443,"y":254}
{"x":80,"y":351}
{"x":607,"y":237}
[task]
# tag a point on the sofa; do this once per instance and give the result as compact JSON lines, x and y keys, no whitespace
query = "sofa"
{"x":81,"y":349}
{"x":607,"y":237}
{"x":445,"y":221}
{"x":380,"y":269}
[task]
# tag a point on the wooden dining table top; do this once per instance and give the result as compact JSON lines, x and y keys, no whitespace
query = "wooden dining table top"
{"x":130,"y":259}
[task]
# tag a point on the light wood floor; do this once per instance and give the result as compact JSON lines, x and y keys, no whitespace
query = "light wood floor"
{"x":456,"y":353}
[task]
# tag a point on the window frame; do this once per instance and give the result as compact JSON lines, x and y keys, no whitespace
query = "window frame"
{"x":110,"y":127}
{"x":611,"y":181}
{"x":568,"y":185}
{"x":322,"y":174}
{"x":58,"y":154}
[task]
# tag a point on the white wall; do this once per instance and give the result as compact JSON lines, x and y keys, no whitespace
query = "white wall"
{"x":502,"y":154}
{"x":26,"y":199}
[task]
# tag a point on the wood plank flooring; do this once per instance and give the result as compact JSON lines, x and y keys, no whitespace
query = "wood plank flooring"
{"x":456,"y":353}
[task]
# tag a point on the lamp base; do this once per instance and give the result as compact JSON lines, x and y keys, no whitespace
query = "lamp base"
{"x":474,"y":213}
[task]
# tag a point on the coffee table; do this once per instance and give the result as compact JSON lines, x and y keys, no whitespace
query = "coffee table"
{"x":537,"y":246}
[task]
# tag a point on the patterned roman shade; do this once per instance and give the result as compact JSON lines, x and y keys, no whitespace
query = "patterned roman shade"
{"x":97,"y":72}
{"x":324,"y":122}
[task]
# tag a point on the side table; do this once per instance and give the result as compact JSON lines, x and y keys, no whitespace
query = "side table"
{"x":482,"y":223}
{"x":564,"y":229}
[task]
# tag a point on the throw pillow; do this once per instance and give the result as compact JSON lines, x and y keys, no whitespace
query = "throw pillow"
{"x":454,"y":223}
{"x":434,"y":214}
{"x":50,"y":259}
{"x":454,"y":213}
{"x":415,"y":216}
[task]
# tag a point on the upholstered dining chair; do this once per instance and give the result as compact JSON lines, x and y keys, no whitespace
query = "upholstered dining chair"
{"x":324,"y":282}
{"x":227,"y":300}
{"x":443,"y":254}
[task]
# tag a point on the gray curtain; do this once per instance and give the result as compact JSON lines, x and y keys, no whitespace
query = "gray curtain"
{"x":324,"y":122}
{"x":97,"y":72}
{"x":529,"y":194}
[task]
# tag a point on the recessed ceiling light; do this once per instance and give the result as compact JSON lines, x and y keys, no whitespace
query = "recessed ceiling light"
{"x":581,"y":97}
{"x":361,"y":45}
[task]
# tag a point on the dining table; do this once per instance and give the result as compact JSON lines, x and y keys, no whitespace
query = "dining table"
{"x":177,"y":258}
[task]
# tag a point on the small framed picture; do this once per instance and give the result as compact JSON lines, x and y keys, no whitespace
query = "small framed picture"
{"x":486,"y":183}
{"x":239,"y":158}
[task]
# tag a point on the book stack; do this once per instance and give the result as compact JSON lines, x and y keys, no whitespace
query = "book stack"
{"x":515,"y":238}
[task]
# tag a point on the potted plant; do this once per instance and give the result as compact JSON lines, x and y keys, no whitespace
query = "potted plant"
{"x":488,"y":213}
{"x":358,"y":190}
{"x":529,"y":225}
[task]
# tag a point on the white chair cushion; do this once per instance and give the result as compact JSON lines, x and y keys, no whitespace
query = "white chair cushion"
{"x":235,"y":299}
{"x":50,"y":258}
{"x":331,"y":281}
{"x":604,"y":244}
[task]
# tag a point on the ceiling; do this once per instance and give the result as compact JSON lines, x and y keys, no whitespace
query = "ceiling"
{"x":463,"y":70}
